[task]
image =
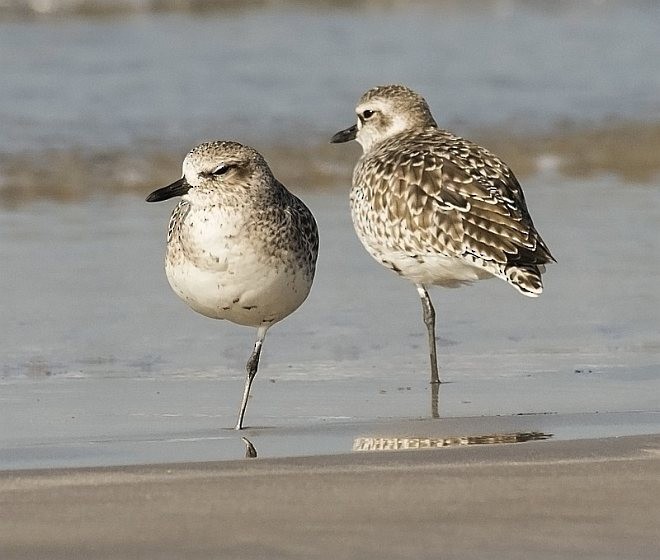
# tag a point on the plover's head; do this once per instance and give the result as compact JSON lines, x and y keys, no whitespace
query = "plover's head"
{"x":386,"y":111}
{"x":221,"y":165}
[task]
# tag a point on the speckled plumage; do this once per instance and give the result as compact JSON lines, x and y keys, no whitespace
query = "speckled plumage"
{"x":240,"y":246}
{"x":434,"y":207}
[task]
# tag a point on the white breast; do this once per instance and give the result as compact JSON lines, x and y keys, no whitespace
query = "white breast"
{"x":222,"y":269}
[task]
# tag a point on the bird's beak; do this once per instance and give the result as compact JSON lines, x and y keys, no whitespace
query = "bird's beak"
{"x":178,"y":188}
{"x":345,"y":135}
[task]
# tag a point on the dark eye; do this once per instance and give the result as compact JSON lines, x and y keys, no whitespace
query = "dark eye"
{"x":220,"y":169}
{"x":367,"y":114}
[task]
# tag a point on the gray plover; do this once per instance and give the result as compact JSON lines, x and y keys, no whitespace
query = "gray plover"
{"x":434,"y":207}
{"x":240,"y":246}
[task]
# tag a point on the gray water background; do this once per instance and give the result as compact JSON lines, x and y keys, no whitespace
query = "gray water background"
{"x":293,"y":71}
{"x":101,"y":364}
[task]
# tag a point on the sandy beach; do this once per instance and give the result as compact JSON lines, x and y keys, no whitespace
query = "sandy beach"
{"x":543,"y":500}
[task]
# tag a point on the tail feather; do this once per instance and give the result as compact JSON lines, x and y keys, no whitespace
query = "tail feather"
{"x":526,"y":279}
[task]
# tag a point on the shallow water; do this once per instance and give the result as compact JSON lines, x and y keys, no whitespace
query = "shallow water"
{"x":96,"y":348}
{"x":291,"y":72}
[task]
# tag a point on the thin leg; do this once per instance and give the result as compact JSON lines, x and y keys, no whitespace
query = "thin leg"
{"x":435,"y":390}
{"x":429,"y":321}
{"x":251,"y":371}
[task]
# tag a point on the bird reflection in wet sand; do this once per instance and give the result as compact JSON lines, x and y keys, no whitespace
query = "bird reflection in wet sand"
{"x":396,"y":443}
{"x":250,"y":451}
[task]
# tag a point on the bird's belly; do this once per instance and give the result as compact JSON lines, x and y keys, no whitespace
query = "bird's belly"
{"x":246,"y":289}
{"x":424,"y":267}
{"x":433,"y":269}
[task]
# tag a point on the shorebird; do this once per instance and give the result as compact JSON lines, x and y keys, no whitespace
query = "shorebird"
{"x":240,"y":246}
{"x":435,"y":208}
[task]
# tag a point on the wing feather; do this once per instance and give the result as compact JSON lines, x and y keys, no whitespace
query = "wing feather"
{"x":455,"y":198}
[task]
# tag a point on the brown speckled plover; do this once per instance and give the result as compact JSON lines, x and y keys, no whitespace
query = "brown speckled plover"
{"x":240,"y":246}
{"x":434,"y":207}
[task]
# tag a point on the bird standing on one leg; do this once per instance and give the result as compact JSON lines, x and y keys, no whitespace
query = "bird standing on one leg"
{"x":240,"y":246}
{"x":434,"y":207}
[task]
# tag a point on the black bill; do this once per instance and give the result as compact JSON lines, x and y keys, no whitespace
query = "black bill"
{"x":345,"y":135}
{"x":178,"y":188}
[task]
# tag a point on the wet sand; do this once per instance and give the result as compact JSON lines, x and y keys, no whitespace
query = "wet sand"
{"x":135,"y":377}
{"x":543,"y":500}
{"x":573,"y":151}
